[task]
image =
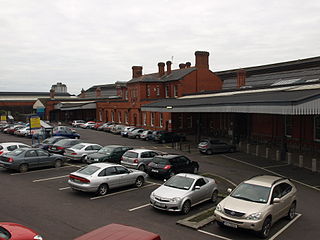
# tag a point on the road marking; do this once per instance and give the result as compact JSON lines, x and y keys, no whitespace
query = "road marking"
{"x":214,"y":235}
{"x":124,"y":191}
{"x":285,"y":227}
{"x":281,"y":165}
{"x":229,"y":181}
{"x":61,"y":189}
{"x":293,"y":180}
{"x":48,"y":179}
{"x":154,"y":183}
{"x":42,"y":170}
{"x":136,"y":208}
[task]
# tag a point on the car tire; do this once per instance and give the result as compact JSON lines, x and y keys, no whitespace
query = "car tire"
{"x":103,"y":190}
{"x":58,"y":163}
{"x":292,"y":211}
{"x":264,"y":233}
{"x":209,"y":152}
{"x":214,"y":196}
{"x":186,"y":207}
{"x":83,"y":159}
{"x":142,"y":168}
{"x":23,"y":168}
{"x":139,"y":182}
{"x":195,"y":170}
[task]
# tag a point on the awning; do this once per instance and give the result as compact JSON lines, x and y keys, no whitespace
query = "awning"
{"x":67,"y":106}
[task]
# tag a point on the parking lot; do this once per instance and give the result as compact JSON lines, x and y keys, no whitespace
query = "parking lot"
{"x":41,"y":199}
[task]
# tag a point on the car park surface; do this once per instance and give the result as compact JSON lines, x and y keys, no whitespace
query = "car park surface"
{"x":46,"y":187}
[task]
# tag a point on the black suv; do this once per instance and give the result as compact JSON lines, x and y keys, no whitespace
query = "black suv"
{"x":111,"y":153}
{"x":164,"y":137}
{"x":168,"y":165}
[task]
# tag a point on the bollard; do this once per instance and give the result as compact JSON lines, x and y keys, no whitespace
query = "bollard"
{"x":289,"y":158}
{"x":300,"y":161}
{"x":267,"y":152}
{"x":314,"y":164}
{"x":248,"y":148}
{"x":257,"y":150}
{"x":277,"y":155}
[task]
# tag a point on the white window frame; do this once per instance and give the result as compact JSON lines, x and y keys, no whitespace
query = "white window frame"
{"x":158,"y":91}
{"x":166,"y":91}
{"x":112,"y":116}
{"x":152,"y":119}
{"x":126,"y":117}
{"x":119,"y":117}
{"x":148,"y":91}
{"x":161,"y":120}
{"x":144,"y":119}
{"x":175,"y":90}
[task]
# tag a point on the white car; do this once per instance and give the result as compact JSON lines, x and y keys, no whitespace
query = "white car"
{"x":10,"y":146}
{"x":77,"y":123}
{"x":80,"y":151}
{"x":23,"y":132}
{"x":87,"y":124}
{"x":183,"y":191}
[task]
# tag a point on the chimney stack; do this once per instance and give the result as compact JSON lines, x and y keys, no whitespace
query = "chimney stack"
{"x":168,"y":67}
{"x":98,"y":92}
{"x":182,"y":65}
{"x":188,"y":64}
{"x":202,"y":59}
{"x":241,"y":78}
{"x":83,"y":93}
{"x":161,"y":68}
{"x":136,"y":71}
{"x":52,"y":93}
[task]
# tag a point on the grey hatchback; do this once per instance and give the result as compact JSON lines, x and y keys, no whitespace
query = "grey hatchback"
{"x":210,"y":146}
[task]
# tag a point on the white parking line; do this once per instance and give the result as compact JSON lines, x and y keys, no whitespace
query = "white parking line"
{"x":124,"y":191}
{"x":154,"y":183}
{"x":252,"y":165}
{"x":273,"y":166}
{"x":42,"y":170}
{"x":285,"y":227}
{"x":136,"y":208}
{"x":48,"y":179}
{"x":229,"y":181}
{"x":61,"y":189}
{"x":214,"y":235}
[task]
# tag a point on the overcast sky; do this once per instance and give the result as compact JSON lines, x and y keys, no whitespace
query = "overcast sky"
{"x":82,"y":43}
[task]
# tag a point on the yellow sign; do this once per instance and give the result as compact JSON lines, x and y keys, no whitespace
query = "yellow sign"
{"x":35,"y":122}
{"x":3,"y":118}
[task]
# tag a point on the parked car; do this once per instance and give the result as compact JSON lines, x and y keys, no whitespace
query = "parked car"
{"x":77,"y":123}
{"x":164,"y":137}
{"x":45,"y":144}
{"x":109,"y":127}
{"x":110,"y":153}
{"x":23,"y":132}
{"x":60,"y":146}
{"x":168,"y":165}
{"x":87,"y":124}
{"x":258,"y":203}
{"x":101,"y":128}
{"x":10,"y":146}
{"x":138,"y":158}
{"x":146,"y":135}
{"x":126,"y":131}
{"x":65,"y":132}
{"x":183,"y":191}
{"x":117,"y":129}
{"x":117,"y":231}
{"x":101,"y":177}
{"x":80,"y":151}
{"x":97,"y":125}
{"x":210,"y":146}
{"x":14,"y":231}
{"x":14,"y":128}
{"x":135,"y":133}
{"x":23,"y":159}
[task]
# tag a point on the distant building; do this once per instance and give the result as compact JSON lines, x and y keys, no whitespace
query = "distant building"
{"x":59,"y":88}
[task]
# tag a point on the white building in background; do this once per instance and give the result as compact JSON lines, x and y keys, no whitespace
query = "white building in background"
{"x":59,"y":88}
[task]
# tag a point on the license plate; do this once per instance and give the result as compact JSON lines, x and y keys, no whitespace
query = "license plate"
{"x":154,"y":170}
{"x":160,"y":204}
{"x":230,"y":224}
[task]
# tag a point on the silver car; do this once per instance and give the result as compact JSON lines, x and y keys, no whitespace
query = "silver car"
{"x":183,"y":191}
{"x":100,"y":177}
{"x":79,"y":151}
{"x":138,"y":158}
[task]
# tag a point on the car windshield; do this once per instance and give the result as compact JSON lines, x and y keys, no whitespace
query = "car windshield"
{"x":160,"y":161}
{"x":78,"y":146}
{"x":180,"y":182}
{"x":130,"y":154}
{"x":64,"y":142}
{"x":4,"y":234}
{"x":252,"y":193}
{"x":106,"y":150}
{"x":88,"y":170}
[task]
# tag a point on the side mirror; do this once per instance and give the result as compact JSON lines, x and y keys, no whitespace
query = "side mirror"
{"x":229,"y":190}
{"x":276,"y":200}
{"x":197,"y":188}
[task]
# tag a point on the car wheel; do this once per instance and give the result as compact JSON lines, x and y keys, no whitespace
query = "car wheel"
{"x":142,"y":168}
{"x":139,"y":182}
{"x":209,"y":152}
{"x":195,"y":170}
{"x":23,"y":168}
{"x":264,"y":233}
{"x":214,"y":196}
{"x":292,"y":211}
{"x":103,"y":189}
{"x":163,"y":141}
{"x":186,"y":207}
{"x":58,"y":163}
{"x":83,"y":159}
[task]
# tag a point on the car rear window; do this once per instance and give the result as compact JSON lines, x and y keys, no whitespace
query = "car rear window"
{"x":160,"y":161}
{"x":1,"y":147}
{"x":4,"y":234}
{"x":88,"y":170}
{"x":78,"y":146}
{"x":17,"y":152}
{"x":130,"y":154}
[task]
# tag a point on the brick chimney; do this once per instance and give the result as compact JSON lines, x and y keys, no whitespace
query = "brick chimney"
{"x":182,"y":65}
{"x":188,"y":64}
{"x":161,"y":68}
{"x":136,"y":71}
{"x":202,"y":59}
{"x":241,"y":78}
{"x":168,"y":67}
{"x":98,"y":92}
{"x":52,"y":93}
{"x":83,"y":93}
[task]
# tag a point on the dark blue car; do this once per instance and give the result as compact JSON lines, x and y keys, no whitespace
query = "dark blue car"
{"x":65,"y":132}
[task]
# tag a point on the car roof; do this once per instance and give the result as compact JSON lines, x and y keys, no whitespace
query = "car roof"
{"x":88,"y":144}
{"x":12,"y":143}
{"x":264,"y":180}
{"x":169,"y":156}
{"x":190,"y":175}
{"x":140,"y":150}
{"x":113,"y":146}
{"x":104,"y":164}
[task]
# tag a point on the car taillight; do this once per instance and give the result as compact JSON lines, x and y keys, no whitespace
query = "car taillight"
{"x":135,"y":160}
{"x":73,"y":153}
{"x":166,"y":167}
{"x":60,"y":148}
{"x":1,"y":152}
{"x":10,"y":160}
{"x":81,"y":179}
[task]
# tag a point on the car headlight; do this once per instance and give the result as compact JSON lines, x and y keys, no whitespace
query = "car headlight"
{"x":38,"y":237}
{"x":96,"y":159}
{"x":176,"y":199}
{"x":152,"y":195}
{"x":219,"y":208}
{"x":254,"y":216}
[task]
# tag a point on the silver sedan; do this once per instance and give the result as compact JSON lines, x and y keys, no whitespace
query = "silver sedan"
{"x":100,"y":177}
{"x":183,"y":191}
{"x":81,"y":150}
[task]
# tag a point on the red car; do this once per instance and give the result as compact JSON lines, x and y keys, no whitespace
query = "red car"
{"x":14,"y":231}
{"x":119,"y":232}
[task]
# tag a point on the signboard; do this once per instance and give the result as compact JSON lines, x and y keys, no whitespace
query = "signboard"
{"x":35,"y":122}
{"x":3,"y":118}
